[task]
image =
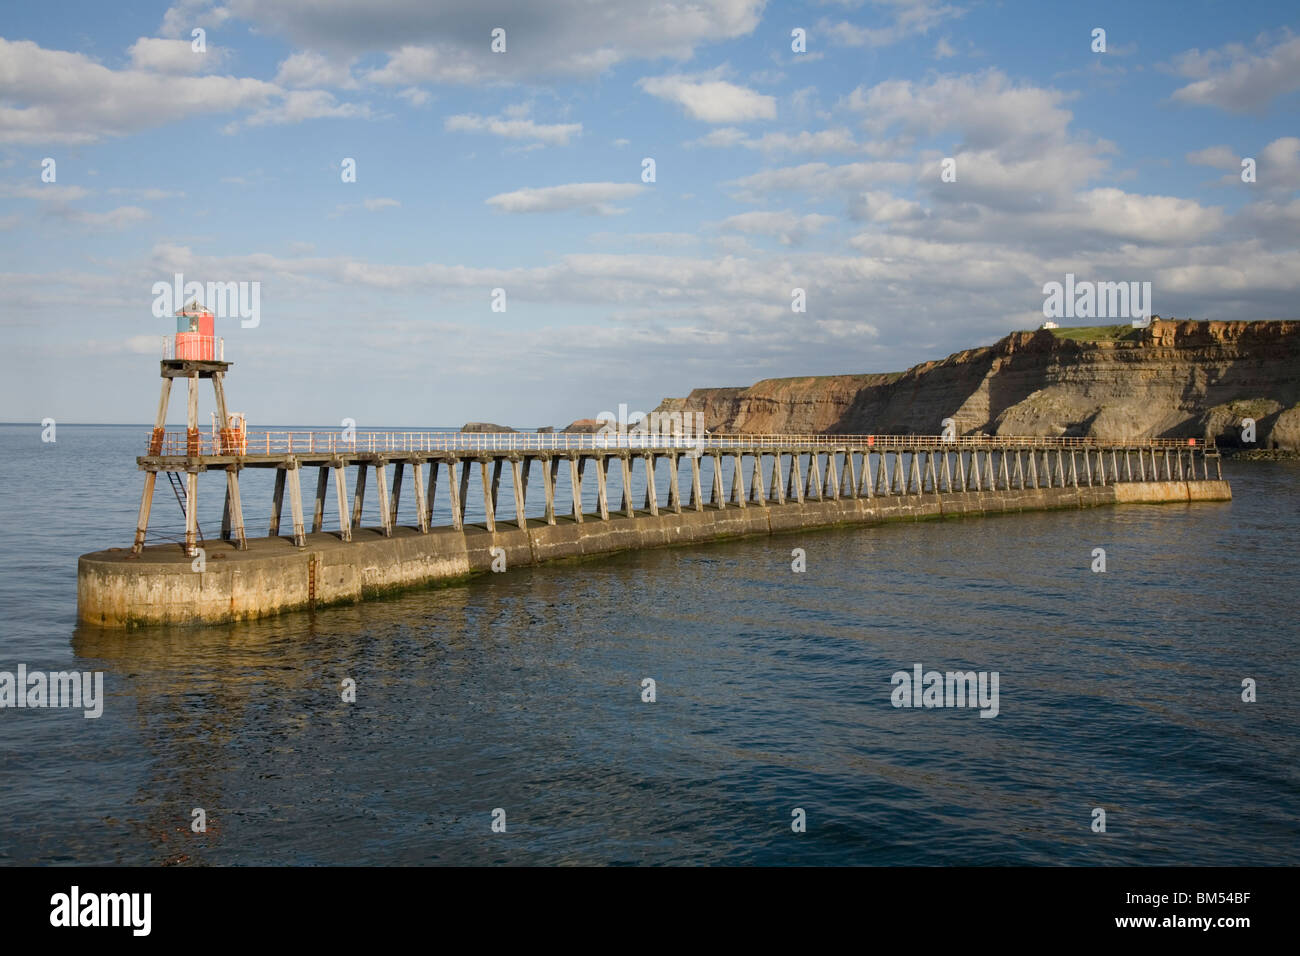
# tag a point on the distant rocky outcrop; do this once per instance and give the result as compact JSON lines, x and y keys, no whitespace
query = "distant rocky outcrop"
{"x":583,"y":426}
{"x":487,"y":427}
{"x":1174,"y":379}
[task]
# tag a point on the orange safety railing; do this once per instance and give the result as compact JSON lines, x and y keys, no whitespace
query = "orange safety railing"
{"x":275,"y":443}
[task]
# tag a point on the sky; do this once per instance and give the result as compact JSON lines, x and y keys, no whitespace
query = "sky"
{"x":223,"y":156}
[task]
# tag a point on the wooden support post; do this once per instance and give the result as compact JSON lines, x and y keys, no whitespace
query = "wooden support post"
{"x":757,"y":492}
{"x":719,"y":497}
{"x":318,"y":508}
{"x":738,"y":480}
{"x":223,"y":418}
{"x":421,"y":499}
{"x":295,"y":504}
{"x":1074,"y":469}
{"x":575,"y":482}
{"x":341,"y":495}
{"x":191,"y":511}
{"x":277,"y":503}
{"x":914,"y":474}
{"x":549,"y":466}
{"x":651,"y":491}
{"x":961,"y":471}
{"x":359,"y":495}
{"x":399,"y":469}
{"x":431,"y":494}
{"x":794,"y":489}
{"x":496,"y":483}
{"x":517,"y":485}
{"x":602,"y":486}
{"x":192,"y":448}
{"x":234,"y":509}
{"x":455,"y":485}
{"x":225,"y":515}
{"x":778,"y":486}
{"x":868,"y":480}
{"x":850,"y":476}
{"x":625,"y":466}
{"x":1020,"y":472}
{"x":674,"y":489}
{"x":465,"y":468}
{"x":815,"y":475}
{"x":385,"y":505}
{"x":648,"y":466}
{"x":160,"y":420}
{"x":1033,"y":468}
{"x":900,"y":485}
{"x":1114,"y":466}
{"x":489,"y":505}
{"x":831,"y":480}
{"x":146,"y":504}
{"x":697,"y":496}
{"x":523,"y":487}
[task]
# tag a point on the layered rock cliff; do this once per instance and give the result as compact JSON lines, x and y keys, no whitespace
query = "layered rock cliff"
{"x":1174,"y":379}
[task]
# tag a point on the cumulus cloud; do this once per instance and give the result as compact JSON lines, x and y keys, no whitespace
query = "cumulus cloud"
{"x":50,"y":96}
{"x":711,"y":100}
{"x":1237,"y":78}
{"x":595,"y":198}
{"x":173,"y":56}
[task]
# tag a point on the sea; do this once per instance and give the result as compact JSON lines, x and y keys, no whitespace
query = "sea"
{"x":732,"y":703}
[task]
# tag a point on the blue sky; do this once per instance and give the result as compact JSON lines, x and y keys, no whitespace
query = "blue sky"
{"x":522,"y":171}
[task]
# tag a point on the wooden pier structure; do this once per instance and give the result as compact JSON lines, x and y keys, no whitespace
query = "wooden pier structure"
{"x":689,"y":488}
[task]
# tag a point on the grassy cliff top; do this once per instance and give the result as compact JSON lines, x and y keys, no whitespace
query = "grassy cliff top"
{"x":1098,"y":333}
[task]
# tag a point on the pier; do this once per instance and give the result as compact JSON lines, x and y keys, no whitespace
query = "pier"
{"x":551,"y":495}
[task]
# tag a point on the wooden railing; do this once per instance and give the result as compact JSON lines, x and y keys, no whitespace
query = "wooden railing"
{"x":268,"y":443}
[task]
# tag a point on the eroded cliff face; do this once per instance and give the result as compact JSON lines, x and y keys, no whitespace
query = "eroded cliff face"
{"x":1175,"y":379}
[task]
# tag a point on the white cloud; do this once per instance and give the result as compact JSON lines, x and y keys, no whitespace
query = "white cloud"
{"x":584,"y":197}
{"x":448,"y":41}
{"x":309,"y":69}
{"x":838,"y":140}
{"x":711,"y":100}
{"x":46,"y":192}
{"x":1236,"y":79}
{"x":904,"y":18}
{"x":789,"y":228}
{"x":173,"y":56}
{"x":112,"y":220}
{"x":556,"y":134}
{"x":51,"y":96}
{"x":1220,"y":157}
{"x":299,"y":105}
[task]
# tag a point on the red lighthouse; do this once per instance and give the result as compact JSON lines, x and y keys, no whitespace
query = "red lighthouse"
{"x":195,"y":333}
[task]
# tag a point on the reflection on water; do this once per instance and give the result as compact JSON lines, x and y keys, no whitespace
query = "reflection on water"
{"x":522,"y":691}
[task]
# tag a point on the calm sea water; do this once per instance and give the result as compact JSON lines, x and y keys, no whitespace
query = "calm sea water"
{"x":522,"y":691}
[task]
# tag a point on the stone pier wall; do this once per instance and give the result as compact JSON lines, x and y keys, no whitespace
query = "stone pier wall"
{"x":116,"y":588}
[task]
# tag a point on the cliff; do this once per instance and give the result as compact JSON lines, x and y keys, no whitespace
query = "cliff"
{"x":1175,"y":379}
